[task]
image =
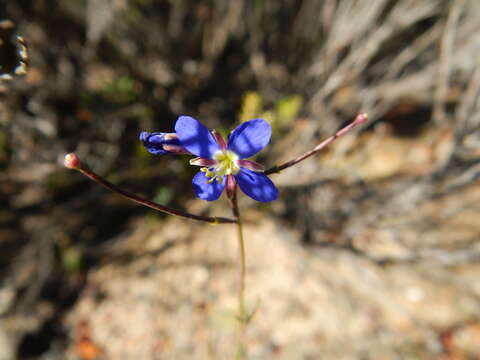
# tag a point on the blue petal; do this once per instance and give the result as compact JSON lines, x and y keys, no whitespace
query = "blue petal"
{"x":249,"y":138}
{"x":205,"y":190}
{"x":195,"y":137}
{"x":154,"y":142}
{"x":256,"y":185}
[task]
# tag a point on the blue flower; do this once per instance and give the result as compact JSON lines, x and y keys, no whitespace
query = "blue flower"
{"x":159,"y":143}
{"x":223,"y":165}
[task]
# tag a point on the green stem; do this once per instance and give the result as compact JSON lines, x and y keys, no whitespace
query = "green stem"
{"x":242,"y":311}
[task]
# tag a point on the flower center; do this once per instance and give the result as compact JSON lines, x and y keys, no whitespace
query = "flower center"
{"x":226,"y":165}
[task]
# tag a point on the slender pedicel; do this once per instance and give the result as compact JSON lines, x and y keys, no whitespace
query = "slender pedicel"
{"x":242,"y":316}
{"x":72,"y":161}
{"x":360,"y":119}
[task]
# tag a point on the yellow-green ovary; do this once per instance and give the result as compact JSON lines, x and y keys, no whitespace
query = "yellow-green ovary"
{"x":226,"y":165}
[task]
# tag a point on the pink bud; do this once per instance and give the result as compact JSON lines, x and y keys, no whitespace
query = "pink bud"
{"x":71,"y":161}
{"x":360,"y":119}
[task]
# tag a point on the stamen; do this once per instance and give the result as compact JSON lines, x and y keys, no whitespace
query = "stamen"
{"x":226,"y":164}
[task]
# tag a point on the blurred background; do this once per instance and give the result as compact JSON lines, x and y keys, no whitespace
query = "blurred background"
{"x":371,"y":251}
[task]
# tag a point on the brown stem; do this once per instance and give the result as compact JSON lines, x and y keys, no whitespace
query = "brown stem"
{"x":360,"y":119}
{"x":73,"y":162}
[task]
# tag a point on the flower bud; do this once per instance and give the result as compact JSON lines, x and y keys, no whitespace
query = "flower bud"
{"x":71,"y":161}
{"x":360,"y":119}
{"x":159,"y":143}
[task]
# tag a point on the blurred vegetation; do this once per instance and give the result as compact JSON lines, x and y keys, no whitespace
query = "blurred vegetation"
{"x":280,"y":117}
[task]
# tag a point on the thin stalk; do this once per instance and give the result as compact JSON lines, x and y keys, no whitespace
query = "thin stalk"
{"x":73,"y":162}
{"x":360,"y":119}
{"x":242,"y":311}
